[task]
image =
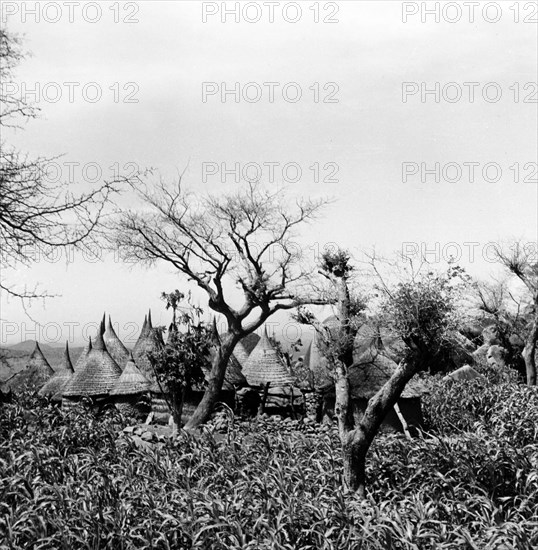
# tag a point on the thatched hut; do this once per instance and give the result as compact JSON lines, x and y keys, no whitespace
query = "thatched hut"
{"x":115,"y":346}
{"x":129,"y":389}
{"x":97,"y":376}
{"x":36,"y":374}
{"x":264,"y":366}
{"x":62,"y":375}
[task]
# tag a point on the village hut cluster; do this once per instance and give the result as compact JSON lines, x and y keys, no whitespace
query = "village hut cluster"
{"x":106,"y":372}
{"x":256,"y":382}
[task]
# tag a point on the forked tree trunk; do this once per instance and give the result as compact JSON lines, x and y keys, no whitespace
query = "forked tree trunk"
{"x":356,"y":440}
{"x":529,"y":354}
{"x":214,"y":382}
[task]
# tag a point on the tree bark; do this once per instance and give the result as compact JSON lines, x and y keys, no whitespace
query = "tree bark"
{"x":178,"y":400}
{"x":529,"y":354}
{"x":356,"y":442}
{"x":214,"y":381}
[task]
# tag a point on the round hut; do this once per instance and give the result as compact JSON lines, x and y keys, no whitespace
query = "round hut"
{"x":62,"y":375}
{"x":129,"y":390}
{"x":115,"y":346}
{"x":36,"y":373}
{"x":265,"y":369}
{"x":96,"y":377}
{"x":264,"y":365}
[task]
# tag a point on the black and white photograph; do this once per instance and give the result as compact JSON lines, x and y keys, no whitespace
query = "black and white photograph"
{"x":268,"y":275}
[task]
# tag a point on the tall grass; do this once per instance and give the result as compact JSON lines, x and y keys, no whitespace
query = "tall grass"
{"x":68,"y":481}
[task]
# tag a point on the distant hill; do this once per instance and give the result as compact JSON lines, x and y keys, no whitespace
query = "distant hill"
{"x":29,"y":346}
{"x":13,"y":359}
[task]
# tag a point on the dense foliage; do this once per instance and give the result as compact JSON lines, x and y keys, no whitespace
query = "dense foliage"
{"x":68,"y":481}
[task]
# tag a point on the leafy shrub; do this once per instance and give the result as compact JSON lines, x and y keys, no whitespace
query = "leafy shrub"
{"x":508,"y":410}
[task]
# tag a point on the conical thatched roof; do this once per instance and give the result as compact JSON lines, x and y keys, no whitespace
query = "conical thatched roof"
{"x":98,"y":374}
{"x":37,"y":371}
{"x":60,"y":378}
{"x":115,"y":346}
{"x":265,"y":366}
{"x":131,"y":381}
{"x":317,"y":364}
{"x":149,"y":341}
{"x":82,"y":358}
{"x":368,"y":375}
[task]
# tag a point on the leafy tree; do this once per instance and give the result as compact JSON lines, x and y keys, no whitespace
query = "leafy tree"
{"x":33,"y":212}
{"x":242,"y":240}
{"x":180,"y":364}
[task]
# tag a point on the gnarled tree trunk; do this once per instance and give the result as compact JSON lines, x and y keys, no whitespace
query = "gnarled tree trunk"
{"x":356,"y":441}
{"x":214,"y":381}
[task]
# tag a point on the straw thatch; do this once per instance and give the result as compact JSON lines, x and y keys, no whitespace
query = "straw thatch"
{"x":37,"y":371}
{"x":131,"y":381}
{"x":60,"y":378}
{"x":370,"y":373}
{"x":149,"y":341}
{"x":82,"y":358}
{"x":98,"y":375}
{"x":115,"y":346}
{"x":264,"y":366}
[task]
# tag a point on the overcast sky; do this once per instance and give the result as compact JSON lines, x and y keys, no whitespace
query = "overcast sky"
{"x":362,"y":118}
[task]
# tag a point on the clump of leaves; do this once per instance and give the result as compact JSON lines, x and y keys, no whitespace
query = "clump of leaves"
{"x":179,"y":366}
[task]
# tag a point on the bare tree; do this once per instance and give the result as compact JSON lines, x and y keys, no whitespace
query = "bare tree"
{"x":244,"y":238}
{"x":34,"y":214}
{"x":520,"y":260}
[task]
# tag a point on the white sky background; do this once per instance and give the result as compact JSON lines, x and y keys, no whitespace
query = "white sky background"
{"x":369,"y":133}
